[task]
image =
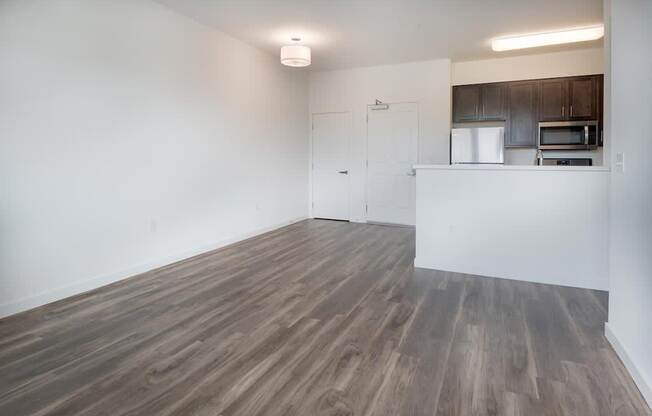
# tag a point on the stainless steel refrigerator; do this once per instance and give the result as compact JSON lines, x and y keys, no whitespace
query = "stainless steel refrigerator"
{"x":478,"y":145}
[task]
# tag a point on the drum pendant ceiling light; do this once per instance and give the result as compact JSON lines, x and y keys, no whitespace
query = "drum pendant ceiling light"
{"x":295,"y":55}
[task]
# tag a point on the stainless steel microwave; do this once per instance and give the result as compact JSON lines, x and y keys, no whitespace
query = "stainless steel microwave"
{"x":568,"y":135}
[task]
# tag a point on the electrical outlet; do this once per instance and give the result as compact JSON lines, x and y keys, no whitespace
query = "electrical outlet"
{"x":620,"y":162}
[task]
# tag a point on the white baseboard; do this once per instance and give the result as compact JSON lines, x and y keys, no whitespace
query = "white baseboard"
{"x":643,"y":385}
{"x":86,"y":285}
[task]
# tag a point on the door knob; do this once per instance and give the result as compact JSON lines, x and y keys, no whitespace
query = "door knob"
{"x":344,"y":172}
{"x":412,"y":173}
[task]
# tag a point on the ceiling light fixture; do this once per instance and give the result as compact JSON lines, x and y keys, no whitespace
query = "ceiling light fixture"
{"x":549,"y":38}
{"x":295,"y":55}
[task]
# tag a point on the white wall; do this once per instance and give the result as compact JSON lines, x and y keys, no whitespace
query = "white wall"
{"x":543,"y":65}
{"x":540,"y":224}
{"x":630,"y":112}
{"x":426,"y":83}
{"x":132,"y":136}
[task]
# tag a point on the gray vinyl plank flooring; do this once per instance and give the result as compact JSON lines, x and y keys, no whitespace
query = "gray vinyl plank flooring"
{"x":317,"y":318}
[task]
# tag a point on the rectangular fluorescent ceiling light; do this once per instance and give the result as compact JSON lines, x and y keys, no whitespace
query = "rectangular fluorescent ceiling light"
{"x":550,"y":38}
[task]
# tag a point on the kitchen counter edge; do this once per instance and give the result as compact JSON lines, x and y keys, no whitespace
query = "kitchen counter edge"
{"x":515,"y":167}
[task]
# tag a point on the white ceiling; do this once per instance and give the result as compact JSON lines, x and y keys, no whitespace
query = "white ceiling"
{"x":351,"y":33}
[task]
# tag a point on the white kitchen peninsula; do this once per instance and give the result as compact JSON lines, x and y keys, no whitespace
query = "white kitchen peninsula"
{"x":546,"y":224}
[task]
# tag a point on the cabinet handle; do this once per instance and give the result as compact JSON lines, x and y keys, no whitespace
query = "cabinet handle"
{"x":571,"y":112}
{"x":563,"y":110}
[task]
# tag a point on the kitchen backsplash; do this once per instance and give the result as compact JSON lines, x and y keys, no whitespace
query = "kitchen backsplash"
{"x":527,"y":156}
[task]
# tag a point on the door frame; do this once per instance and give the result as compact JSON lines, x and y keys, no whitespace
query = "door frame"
{"x":366,"y":177}
{"x":311,"y":199}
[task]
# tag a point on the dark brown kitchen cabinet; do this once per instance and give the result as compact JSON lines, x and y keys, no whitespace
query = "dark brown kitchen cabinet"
{"x":600,"y":109}
{"x":522,"y":114}
{"x":492,"y":102}
{"x":479,"y":103}
{"x":573,"y":98}
{"x":523,"y":104}
{"x":582,"y":100}
{"x":552,"y":101}
{"x":466,"y":103}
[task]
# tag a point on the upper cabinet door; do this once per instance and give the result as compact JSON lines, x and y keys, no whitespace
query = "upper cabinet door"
{"x":583,"y":98}
{"x":522,"y":125}
{"x":553,"y":104}
{"x":599,"y":81}
{"x":493,"y":102}
{"x":466,"y":103}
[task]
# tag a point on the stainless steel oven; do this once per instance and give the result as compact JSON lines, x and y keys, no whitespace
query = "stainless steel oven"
{"x":568,"y":135}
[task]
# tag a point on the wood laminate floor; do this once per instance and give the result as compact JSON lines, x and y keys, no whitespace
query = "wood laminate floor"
{"x":318,"y":318}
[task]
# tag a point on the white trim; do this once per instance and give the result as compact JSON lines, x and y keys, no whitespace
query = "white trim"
{"x":644,"y":387}
{"x":95,"y":282}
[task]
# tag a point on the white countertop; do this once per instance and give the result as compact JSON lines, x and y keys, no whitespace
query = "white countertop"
{"x":516,"y":167}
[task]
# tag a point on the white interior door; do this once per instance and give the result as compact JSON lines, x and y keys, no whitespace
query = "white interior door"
{"x":330,"y":165}
{"x":392,"y":148}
